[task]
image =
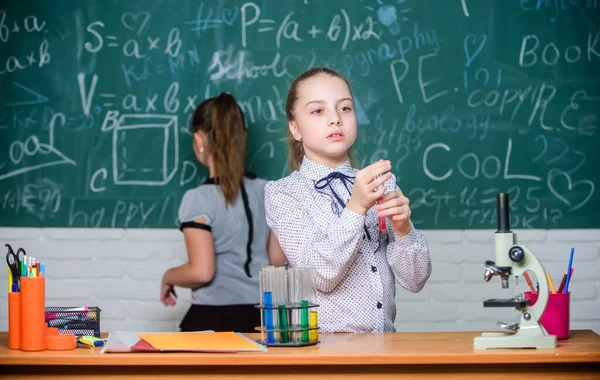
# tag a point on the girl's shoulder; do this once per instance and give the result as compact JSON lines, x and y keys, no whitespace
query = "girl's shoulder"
{"x":206,"y":192}
{"x":207,"y":187}
{"x":294,"y":184}
{"x":202,"y":201}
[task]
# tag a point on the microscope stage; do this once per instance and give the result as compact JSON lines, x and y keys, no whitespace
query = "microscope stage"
{"x":507,"y":302}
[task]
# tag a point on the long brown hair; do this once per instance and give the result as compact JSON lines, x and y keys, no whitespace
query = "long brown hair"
{"x":221,"y":120}
{"x":295,"y":148}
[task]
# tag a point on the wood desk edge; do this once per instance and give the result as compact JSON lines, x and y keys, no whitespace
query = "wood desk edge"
{"x":400,"y":349}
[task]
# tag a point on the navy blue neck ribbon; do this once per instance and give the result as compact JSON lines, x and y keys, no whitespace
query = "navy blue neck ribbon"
{"x":337,"y":207}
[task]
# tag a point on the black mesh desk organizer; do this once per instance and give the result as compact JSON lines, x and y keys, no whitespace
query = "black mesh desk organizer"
{"x":74,"y":320}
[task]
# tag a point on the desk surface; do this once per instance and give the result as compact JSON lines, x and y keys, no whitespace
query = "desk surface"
{"x":334,"y":349}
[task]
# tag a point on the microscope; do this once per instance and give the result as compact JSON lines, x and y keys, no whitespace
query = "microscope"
{"x":515,"y":260}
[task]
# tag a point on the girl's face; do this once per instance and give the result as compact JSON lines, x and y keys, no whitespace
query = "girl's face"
{"x":324,"y":119}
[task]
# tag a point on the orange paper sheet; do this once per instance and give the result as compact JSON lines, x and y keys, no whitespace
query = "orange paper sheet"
{"x":204,"y":341}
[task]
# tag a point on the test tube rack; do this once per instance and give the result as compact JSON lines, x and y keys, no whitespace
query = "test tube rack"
{"x":287,"y":309}
{"x":282,"y":334}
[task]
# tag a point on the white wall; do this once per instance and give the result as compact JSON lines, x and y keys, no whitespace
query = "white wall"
{"x":120,"y":270}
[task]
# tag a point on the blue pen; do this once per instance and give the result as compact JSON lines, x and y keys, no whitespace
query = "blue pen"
{"x":566,"y":290}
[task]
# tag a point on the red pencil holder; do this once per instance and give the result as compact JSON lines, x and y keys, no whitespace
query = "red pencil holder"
{"x":14,"y":321}
{"x":557,"y":315}
{"x":33,"y":325}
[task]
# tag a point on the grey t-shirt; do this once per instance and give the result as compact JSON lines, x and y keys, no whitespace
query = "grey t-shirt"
{"x":229,"y":227}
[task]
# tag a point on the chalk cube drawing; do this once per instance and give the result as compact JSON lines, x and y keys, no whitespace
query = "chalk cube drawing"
{"x":145,"y":149}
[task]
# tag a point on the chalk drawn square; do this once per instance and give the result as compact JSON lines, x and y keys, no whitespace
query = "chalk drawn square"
{"x":145,"y":150}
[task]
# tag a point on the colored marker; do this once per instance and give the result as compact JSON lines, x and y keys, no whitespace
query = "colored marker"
{"x":79,"y":332}
{"x":58,"y":322}
{"x":566,"y":290}
{"x":550,"y":283}
{"x":91,"y":341}
{"x":528,"y":280}
{"x":562,"y":283}
{"x":10,"y":280}
{"x":75,"y":326}
{"x":32,"y":271}
{"x":82,"y":308}
{"x":70,"y":315}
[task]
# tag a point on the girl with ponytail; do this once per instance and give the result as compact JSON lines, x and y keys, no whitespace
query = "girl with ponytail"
{"x":224,"y":227}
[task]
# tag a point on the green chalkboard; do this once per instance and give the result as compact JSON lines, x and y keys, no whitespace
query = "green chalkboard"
{"x":467,"y":98}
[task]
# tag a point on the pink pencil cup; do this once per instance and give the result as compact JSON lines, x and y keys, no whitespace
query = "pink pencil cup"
{"x":557,"y":315}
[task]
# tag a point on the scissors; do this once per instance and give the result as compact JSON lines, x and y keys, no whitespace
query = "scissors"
{"x":14,"y":261}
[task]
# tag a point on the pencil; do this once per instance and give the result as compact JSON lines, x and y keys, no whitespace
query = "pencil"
{"x":550,"y":283}
{"x":10,"y":280}
{"x":566,"y":290}
{"x":529,"y":283}
{"x":562,"y":283}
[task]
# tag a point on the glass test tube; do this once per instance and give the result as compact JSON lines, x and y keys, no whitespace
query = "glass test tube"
{"x":267,"y":294}
{"x":282,"y":304}
{"x":314,"y":333}
{"x":276,"y":296}
{"x":304,"y":300}
{"x":381,"y":219}
{"x":293,"y":300}
{"x":261,"y":280}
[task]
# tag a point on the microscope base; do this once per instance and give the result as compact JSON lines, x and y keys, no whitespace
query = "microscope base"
{"x":518,"y":340}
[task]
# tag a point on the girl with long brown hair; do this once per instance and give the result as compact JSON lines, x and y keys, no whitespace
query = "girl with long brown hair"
{"x":224,"y":227}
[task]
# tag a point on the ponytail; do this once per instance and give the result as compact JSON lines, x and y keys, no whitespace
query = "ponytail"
{"x":222,"y":122}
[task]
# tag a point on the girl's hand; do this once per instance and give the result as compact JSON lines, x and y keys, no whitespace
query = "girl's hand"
{"x":366,"y":183}
{"x":167,"y":294}
{"x":395,"y":206}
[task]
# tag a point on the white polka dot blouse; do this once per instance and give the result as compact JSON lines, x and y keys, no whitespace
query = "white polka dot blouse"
{"x":355,"y":263}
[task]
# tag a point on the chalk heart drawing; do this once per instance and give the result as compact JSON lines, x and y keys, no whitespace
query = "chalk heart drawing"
{"x":471,"y":40}
{"x":135,"y":21}
{"x":229,"y":15}
{"x":297,"y":64}
{"x":553,"y":182}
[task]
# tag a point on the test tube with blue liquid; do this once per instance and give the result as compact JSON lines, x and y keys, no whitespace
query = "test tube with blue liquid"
{"x":266,"y":292}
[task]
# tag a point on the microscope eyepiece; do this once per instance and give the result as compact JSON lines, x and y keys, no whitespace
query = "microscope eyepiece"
{"x":502,"y":213}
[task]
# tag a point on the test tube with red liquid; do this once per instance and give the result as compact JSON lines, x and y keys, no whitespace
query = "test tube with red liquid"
{"x":382,"y":225}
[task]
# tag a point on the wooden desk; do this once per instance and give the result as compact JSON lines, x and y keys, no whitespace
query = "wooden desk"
{"x":338,"y":356}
